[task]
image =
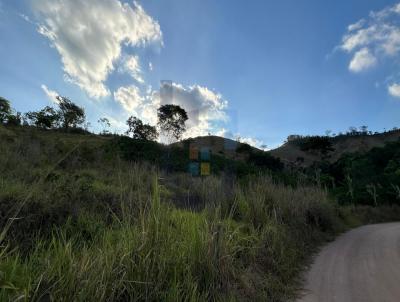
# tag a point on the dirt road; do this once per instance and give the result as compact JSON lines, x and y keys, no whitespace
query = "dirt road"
{"x":362,"y":265}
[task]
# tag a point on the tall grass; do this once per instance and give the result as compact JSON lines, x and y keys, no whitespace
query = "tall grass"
{"x":241,"y":248}
{"x":101,"y":229}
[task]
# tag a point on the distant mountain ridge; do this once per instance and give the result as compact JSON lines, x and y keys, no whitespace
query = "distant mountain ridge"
{"x":291,"y":152}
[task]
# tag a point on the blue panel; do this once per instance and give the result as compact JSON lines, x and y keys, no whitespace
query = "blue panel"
{"x":194,"y":169}
{"x":205,"y":154}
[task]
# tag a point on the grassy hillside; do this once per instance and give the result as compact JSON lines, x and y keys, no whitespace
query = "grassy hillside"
{"x":292,"y":153}
{"x":83,"y":218}
{"x":221,"y":146}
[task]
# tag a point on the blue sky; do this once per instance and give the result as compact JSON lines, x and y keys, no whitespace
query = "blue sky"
{"x":261,"y":70}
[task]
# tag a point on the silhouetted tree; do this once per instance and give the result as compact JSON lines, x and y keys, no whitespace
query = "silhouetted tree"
{"x":140,"y":130}
{"x":322,"y":144}
{"x":364,"y":129}
{"x":105,"y":124}
{"x":14,"y":119}
{"x":243,"y":148}
{"x":171,"y":120}
{"x":5,"y":110}
{"x":46,"y":118}
{"x":352,"y":131}
{"x":293,"y":137}
{"x":71,"y":115}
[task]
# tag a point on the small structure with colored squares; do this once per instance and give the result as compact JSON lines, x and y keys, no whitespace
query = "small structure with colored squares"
{"x":199,"y":161}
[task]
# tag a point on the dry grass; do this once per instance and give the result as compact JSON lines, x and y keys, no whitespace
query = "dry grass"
{"x":99,"y":229}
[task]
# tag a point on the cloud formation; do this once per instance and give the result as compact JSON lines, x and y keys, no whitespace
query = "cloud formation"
{"x":394,"y":90}
{"x":51,"y":94}
{"x":205,"y":108}
{"x":129,"y":98}
{"x":379,"y":35}
{"x":89,"y":34}
{"x":131,"y":65}
{"x":362,"y":60}
{"x":372,"y":40}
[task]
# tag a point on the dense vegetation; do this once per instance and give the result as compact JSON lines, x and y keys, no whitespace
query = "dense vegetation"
{"x":89,"y":217}
{"x":87,"y":224}
{"x":365,"y":178}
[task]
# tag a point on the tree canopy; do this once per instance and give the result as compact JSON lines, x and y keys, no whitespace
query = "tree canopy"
{"x":46,"y":118}
{"x":139,"y":130}
{"x":105,"y":124}
{"x":5,"y":110}
{"x":171,"y":120}
{"x":71,"y":115}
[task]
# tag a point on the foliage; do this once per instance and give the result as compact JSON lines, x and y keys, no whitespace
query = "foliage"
{"x":5,"y":110}
{"x":14,"y":119}
{"x":105,"y":124}
{"x":94,"y":226}
{"x":370,"y":178}
{"x":98,"y":229}
{"x":141,"y":131}
{"x":265,"y":160}
{"x":243,"y":148}
{"x":322,"y":144}
{"x":7,"y":115}
{"x":171,"y":120}
{"x":71,"y":115}
{"x":46,"y":118}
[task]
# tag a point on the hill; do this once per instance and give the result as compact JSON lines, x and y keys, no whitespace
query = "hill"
{"x":108,"y":218}
{"x":292,"y":152}
{"x":101,"y":218}
{"x":220,"y":146}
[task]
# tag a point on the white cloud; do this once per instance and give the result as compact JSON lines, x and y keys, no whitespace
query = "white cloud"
{"x":394,"y":90}
{"x":129,"y":98}
{"x":131,"y":65}
{"x":396,"y":8}
{"x":252,"y":142}
{"x":373,"y":38}
{"x":205,"y":107}
{"x":362,"y":60}
{"x":89,"y":34}
{"x":356,"y":25}
{"x":25,"y":17}
{"x":51,"y":94}
{"x":243,"y":139}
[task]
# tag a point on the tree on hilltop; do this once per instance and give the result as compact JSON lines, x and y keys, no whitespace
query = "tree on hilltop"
{"x":171,"y":120}
{"x":139,"y":130}
{"x":71,"y":115}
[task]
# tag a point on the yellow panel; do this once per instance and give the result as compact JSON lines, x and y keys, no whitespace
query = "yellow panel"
{"x":205,"y":169}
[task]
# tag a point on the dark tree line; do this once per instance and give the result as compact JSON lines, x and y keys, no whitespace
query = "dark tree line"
{"x":68,"y":115}
{"x":171,"y":122}
{"x":371,"y":178}
{"x":8,"y":115}
{"x":352,"y":131}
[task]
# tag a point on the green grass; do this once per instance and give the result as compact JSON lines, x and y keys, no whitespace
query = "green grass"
{"x":94,"y":227}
